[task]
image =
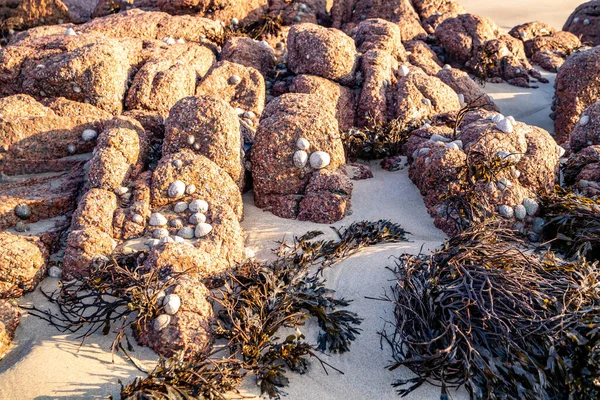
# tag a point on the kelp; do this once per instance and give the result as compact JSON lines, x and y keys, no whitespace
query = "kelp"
{"x":505,"y":320}
{"x":377,"y":140}
{"x":265,"y":26}
{"x":252,"y":303}
{"x":572,"y":223}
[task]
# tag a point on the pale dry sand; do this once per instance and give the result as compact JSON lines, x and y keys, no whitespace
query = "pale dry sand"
{"x":47,"y":364}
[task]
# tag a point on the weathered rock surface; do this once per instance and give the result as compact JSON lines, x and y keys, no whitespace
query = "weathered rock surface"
{"x":10,"y":316}
{"x":250,"y":53}
{"x":584,"y":23}
{"x":423,"y":57}
{"x":327,"y":197}
{"x":583,"y":169}
{"x":463,"y":84}
{"x":531,"y":30}
{"x":22,"y":264}
{"x":246,"y":11}
{"x":31,"y":13}
{"x":586,"y":131}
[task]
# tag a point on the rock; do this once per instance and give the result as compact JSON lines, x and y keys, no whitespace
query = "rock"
{"x":300,"y":158}
{"x":520,"y":212}
{"x":462,"y":84}
{"x":562,"y":43}
{"x":379,"y":34}
{"x":506,"y":211}
{"x":9,"y":320}
{"x":372,"y":104}
{"x":587,"y":131}
{"x":83,"y":247}
{"x":319,"y":160}
{"x":157,"y":219}
{"x":202,"y":229}
{"x":29,"y":13}
{"x":176,"y":189}
{"x":531,"y":30}
{"x":327,"y":198}
{"x":327,"y":53}
{"x":23,"y":211}
{"x":171,"y":304}
{"x":22,"y":264}
{"x":95,"y":210}
{"x":589,"y":31}
{"x":197,"y":218}
{"x":200,"y":206}
{"x":216,"y":131}
{"x":248,"y":52}
{"x":505,"y":125}
{"x":248,"y":11}
{"x":422,"y":56}
{"x":531,"y":206}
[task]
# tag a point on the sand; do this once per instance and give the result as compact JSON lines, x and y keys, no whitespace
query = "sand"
{"x":47,"y":364}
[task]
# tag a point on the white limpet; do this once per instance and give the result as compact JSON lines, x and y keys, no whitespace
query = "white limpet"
{"x":584,"y":120}
{"x":423,"y":151}
{"x":531,"y":206}
{"x":235,"y":21}
{"x":234,"y":79}
{"x":76,"y":89}
{"x":520,"y":212}
{"x":197,"y":218}
{"x":180,"y":207}
{"x":576,"y":19}
{"x":426,"y":101}
{"x":586,"y":21}
{"x":497,"y":117}
{"x":70,"y":32}
{"x":181,"y":40}
{"x":88,"y":135}
{"x":504,"y":184}
{"x":319,"y":159}
{"x":506,"y":211}
{"x":161,"y":322}
{"x":461,"y":98}
{"x":505,"y":126}
{"x":249,"y":114}
{"x":169,"y":40}
{"x":198,"y":206}
{"x":459,"y":143}
{"x":137,"y":219}
{"x":404,"y":70}
{"x":439,"y":138}
{"x":71,"y":149}
{"x":186,"y":232}
{"x":177,"y":163}
{"x":176,"y":189}
{"x":249,"y":253}
{"x":190,"y":139}
{"x":176,"y":223}
{"x":120,"y":191}
{"x":202,"y":230}
{"x":560,"y":151}
{"x":54,"y":272}
{"x":190,"y":189}
{"x":452,"y":146}
{"x":302,"y":144}
{"x":196,"y":146}
{"x":447,"y":66}
{"x":240,"y":112}
{"x":300,"y":158}
{"x":157,"y":219}
{"x":178,"y":239}
{"x":160,"y":233}
{"x":171,"y":304}
{"x":166,"y":239}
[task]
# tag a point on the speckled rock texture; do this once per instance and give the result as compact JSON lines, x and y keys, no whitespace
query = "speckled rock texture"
{"x":169,"y":77}
{"x":586,"y":131}
{"x":462,"y":35}
{"x":312,"y":11}
{"x":250,"y":53}
{"x":400,"y":12}
{"x":327,"y":197}
{"x":125,"y":224}
{"x":423,"y":57}
{"x":583,"y":169}
{"x":531,"y":30}
{"x":22,"y":264}
{"x":214,"y":126}
{"x":328,"y":53}
{"x":248,"y":94}
{"x":83,"y":247}
{"x":340,"y":98}
{"x":95,"y":210}
{"x":108,"y":7}
{"x":434,"y":12}
{"x":379,"y":34}
{"x":561,"y":43}
{"x":463,"y":84}
{"x":420,"y":96}
{"x":246,"y":11}
{"x":375,"y":97}
{"x":10,"y":316}
{"x":436,"y":168}
{"x":189,"y":329}
{"x":278,"y":184}
{"x":212,"y":182}
{"x":120,"y":155}
{"x":31,"y":13}
{"x":577,"y":87}
{"x":589,"y":32}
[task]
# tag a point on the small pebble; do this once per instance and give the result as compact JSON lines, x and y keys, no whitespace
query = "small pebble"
{"x":176,"y":223}
{"x":23,"y":211}
{"x":404,"y":70}
{"x":452,"y":146}
{"x":235,"y":22}
{"x":176,"y":189}
{"x":180,"y":207}
{"x":70,"y":32}
{"x":297,"y":18}
{"x":520,"y":212}
{"x":196,"y":146}
{"x":234,"y":80}
{"x":169,"y":40}
{"x":302,"y":144}
{"x":191,"y":139}
{"x":249,"y":114}
{"x":531,"y":206}
{"x":560,"y":151}
{"x":424,"y":151}
{"x":461,"y":98}
{"x":319,"y":160}
{"x":447,"y":66}
{"x":89,"y":135}
{"x":506,"y":211}
{"x":198,"y":206}
{"x":300,"y":158}
{"x":249,"y":253}
{"x":161,"y":322}
{"x":425,"y":101}
{"x":190,"y":189}
{"x":186,"y":232}
{"x":202,"y":230}
{"x":157,"y":219}
{"x":54,"y":272}
{"x":160,"y":233}
{"x":197,"y":218}
{"x":76,"y":89}
{"x":584,"y":120}
{"x":137,"y":219}
{"x":177,"y":163}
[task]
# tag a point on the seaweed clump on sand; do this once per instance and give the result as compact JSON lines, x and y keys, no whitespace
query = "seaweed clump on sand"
{"x":505,"y":320}
{"x":376,"y":140}
{"x":252,"y":302}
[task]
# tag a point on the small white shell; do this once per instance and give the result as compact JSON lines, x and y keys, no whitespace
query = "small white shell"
{"x":426,"y":101}
{"x":180,"y":207}
{"x":497,"y":118}
{"x":186,"y":232}
{"x":177,"y":163}
{"x":171,"y":304}
{"x":459,"y":143}
{"x":89,"y":135}
{"x":302,"y":144}
{"x":70,"y":32}
{"x":249,"y":114}
{"x":157,"y":219}
{"x":584,"y":120}
{"x":161,"y":322}
{"x":452,"y":146}
{"x":560,"y":151}
{"x":71,"y":149}
{"x":300,"y":158}
{"x":169,"y":40}
{"x":461,"y":98}
{"x":586,"y":21}
{"x":520,"y":212}
{"x":176,"y":189}
{"x":176,"y":223}
{"x":160,"y":233}
{"x":178,"y":239}
{"x":54,"y":272}
{"x":249,"y":253}
{"x":181,"y":40}
{"x":120,"y":191}
{"x":423,"y":151}
{"x":166,"y":239}
{"x":505,"y":126}
{"x":319,"y":159}
{"x":504,"y":184}
{"x":137,"y":219}
{"x":203,"y":229}
{"x":403,"y":70}
{"x":447,"y":66}
{"x":160,"y":297}
{"x":197,"y":218}
{"x":198,"y":206}
{"x":439,"y":138}
{"x":531,"y":206}
{"x":235,"y":21}
{"x":190,"y":139}
{"x":190,"y":189}
{"x":506,"y":211}
{"x":234,"y":79}
{"x":511,"y":119}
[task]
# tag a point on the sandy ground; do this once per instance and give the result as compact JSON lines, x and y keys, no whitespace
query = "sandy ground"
{"x":47,"y":364}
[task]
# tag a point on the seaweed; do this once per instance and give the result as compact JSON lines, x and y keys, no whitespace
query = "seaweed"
{"x":253,"y":302}
{"x":505,"y":320}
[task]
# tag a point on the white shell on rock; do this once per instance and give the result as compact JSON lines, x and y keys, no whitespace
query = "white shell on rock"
{"x":54,"y":272}
{"x":157,"y":219}
{"x":423,"y":151}
{"x":300,"y":158}
{"x":203,"y":229}
{"x":197,"y":218}
{"x":461,"y":98}
{"x":520,"y":212}
{"x":249,"y":253}
{"x":319,"y":159}
{"x":160,"y":233}
{"x":169,"y":40}
{"x":584,"y":120}
{"x":426,"y":101}
{"x":166,"y":239}
{"x":160,"y":297}
{"x":459,"y":143}
{"x":88,"y":135}
{"x":439,"y":138}
{"x":190,"y":139}
{"x":171,"y":304}
{"x":511,"y":119}
{"x":302,"y":144}
{"x":515,"y":173}
{"x":176,"y":223}
{"x":560,"y":151}
{"x":506,"y":211}
{"x":531,"y":206}
{"x":181,"y":40}
{"x":137,"y":219}
{"x":198,"y":206}
{"x":161,"y":322}
{"x":180,"y":207}
{"x":249,"y":114}
{"x":176,"y":189}
{"x":71,"y":149}
{"x":447,"y":66}
{"x":505,"y":126}
{"x":497,"y":117}
{"x":178,"y":239}
{"x":177,"y":163}
{"x":70,"y":32}
{"x":240,"y":112}
{"x":452,"y":146}
{"x":404,"y":70}
{"x":504,"y":183}
{"x":153,"y":242}
{"x":190,"y":189}
{"x":120,"y":191}
{"x":186,"y":232}
{"x":586,"y":21}
{"x":234,"y":79}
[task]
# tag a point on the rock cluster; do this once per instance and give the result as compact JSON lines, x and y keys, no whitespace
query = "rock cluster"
{"x":584,"y":23}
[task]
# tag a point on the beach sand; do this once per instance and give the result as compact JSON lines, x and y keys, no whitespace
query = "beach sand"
{"x":47,"y":364}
